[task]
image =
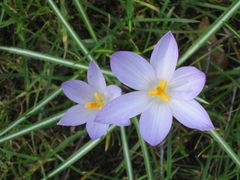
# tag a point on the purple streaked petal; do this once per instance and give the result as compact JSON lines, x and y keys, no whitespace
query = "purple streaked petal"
{"x":164,"y":56}
{"x":186,"y":83}
{"x":77,"y":115}
{"x":155,"y":123}
{"x":132,"y":70}
{"x":78,"y":91}
{"x":95,"y":77}
{"x":96,"y":130}
{"x":124,"y":107}
{"x":113,"y":91}
{"x":191,"y":114}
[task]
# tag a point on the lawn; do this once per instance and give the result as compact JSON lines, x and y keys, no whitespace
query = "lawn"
{"x":45,"y":43}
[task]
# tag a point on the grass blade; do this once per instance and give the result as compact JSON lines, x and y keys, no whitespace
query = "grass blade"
{"x":85,"y":19}
{"x":225,"y":147}
{"x":126,"y":154}
{"x":31,"y":111}
{"x":210,"y":31}
{"x":34,"y":109}
{"x":145,"y":152}
{"x":33,"y":127}
{"x":78,"y":155}
{"x":48,"y":58}
{"x":70,"y":30}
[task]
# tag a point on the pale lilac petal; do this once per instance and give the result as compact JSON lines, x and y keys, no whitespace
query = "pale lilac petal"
{"x":124,"y":107}
{"x":191,"y":114}
{"x":164,"y":56}
{"x":186,"y":83}
{"x":77,"y":115}
{"x":132,"y":70}
{"x":112,"y":92}
{"x":95,"y":77}
{"x":123,"y":122}
{"x":96,"y":130}
{"x":155,"y":123}
{"x":78,"y":91}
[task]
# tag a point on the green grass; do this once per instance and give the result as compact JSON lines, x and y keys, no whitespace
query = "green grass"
{"x":43,"y":44}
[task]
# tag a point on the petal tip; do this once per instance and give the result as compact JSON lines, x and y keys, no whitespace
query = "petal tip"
{"x":64,"y":84}
{"x":93,"y":137}
{"x":209,"y":127}
{"x":154,"y":143}
{"x":60,"y":123}
{"x":92,"y":63}
{"x":169,"y":35}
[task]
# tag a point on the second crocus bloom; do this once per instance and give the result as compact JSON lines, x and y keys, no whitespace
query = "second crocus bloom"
{"x":162,"y":92}
{"x":90,"y":99}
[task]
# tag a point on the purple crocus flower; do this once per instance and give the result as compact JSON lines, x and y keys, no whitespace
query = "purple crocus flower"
{"x":162,"y":92}
{"x":91,"y":98}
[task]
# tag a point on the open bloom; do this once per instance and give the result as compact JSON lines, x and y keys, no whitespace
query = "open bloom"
{"x":161,"y":92}
{"x":91,"y":98}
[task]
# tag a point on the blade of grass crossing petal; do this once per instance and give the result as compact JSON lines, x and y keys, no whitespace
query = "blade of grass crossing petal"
{"x":70,"y":30}
{"x":78,"y":155}
{"x":85,"y":19}
{"x":145,"y":152}
{"x":126,"y":154}
{"x":41,"y":124}
{"x":210,"y":31}
{"x":225,"y":147}
{"x":47,"y":58}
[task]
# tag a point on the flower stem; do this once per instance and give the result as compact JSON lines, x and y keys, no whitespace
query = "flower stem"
{"x":126,"y":153}
{"x":145,"y":152}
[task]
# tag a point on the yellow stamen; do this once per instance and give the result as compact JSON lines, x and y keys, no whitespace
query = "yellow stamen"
{"x":98,"y":97}
{"x":97,"y":104}
{"x":92,"y":105}
{"x":160,"y":91}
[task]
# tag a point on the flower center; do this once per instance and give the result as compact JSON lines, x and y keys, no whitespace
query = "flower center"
{"x":97,"y":104}
{"x":160,"y":91}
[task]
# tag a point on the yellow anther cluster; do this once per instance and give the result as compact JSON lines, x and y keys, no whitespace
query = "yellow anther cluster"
{"x":97,"y":104}
{"x":160,"y":91}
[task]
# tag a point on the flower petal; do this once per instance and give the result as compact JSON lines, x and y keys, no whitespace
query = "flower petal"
{"x":123,"y":122}
{"x":95,"y":77}
{"x":77,"y":115}
{"x":124,"y":107}
{"x":113,"y":91}
{"x":78,"y":91}
{"x":164,"y":56}
{"x":155,"y":123}
{"x":186,"y":83}
{"x":132,"y":70}
{"x":96,"y":130}
{"x":191,"y":114}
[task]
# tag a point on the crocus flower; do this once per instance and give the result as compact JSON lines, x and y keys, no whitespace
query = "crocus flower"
{"x":91,"y":98}
{"x":162,"y":92}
